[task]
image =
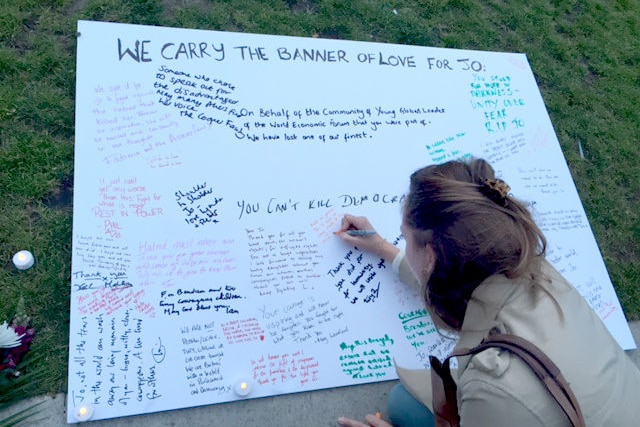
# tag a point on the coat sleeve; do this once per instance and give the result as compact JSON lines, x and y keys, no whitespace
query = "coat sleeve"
{"x":486,"y":404}
{"x":418,"y":384}
{"x":401,"y":267}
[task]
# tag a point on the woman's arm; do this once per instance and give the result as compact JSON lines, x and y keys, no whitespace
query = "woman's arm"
{"x":373,"y":243}
{"x":378,"y":246}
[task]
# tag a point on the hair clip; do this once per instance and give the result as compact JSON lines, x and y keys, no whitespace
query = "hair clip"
{"x":496,"y":189}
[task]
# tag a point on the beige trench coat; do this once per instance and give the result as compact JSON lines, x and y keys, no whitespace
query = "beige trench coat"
{"x":496,"y":389}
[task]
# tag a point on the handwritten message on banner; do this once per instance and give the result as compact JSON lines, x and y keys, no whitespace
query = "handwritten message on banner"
{"x":211,"y":171}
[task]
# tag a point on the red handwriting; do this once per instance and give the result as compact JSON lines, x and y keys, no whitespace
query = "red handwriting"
{"x":124,"y":197}
{"x":109,"y":301}
{"x":326,"y":225}
{"x":182,"y":259}
{"x":128,"y":122}
{"x":285,"y":368}
{"x":243,"y":331}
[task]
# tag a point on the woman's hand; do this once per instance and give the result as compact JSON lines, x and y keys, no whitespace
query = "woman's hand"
{"x":371,"y":421}
{"x":375,"y":243}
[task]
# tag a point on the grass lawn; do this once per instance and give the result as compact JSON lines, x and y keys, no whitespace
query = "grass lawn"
{"x":584,"y":53}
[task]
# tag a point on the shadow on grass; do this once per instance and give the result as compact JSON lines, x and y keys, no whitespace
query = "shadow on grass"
{"x":14,"y":388}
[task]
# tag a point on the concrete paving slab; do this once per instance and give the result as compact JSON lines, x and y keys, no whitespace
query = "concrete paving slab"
{"x":313,"y":409}
{"x":317,"y":408}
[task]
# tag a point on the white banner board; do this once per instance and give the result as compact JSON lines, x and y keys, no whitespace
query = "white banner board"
{"x":211,"y":170}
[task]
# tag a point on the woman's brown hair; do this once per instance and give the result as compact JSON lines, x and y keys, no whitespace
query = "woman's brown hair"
{"x":476,"y":229}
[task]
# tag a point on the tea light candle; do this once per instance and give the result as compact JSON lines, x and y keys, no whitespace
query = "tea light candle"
{"x":242,"y":387}
{"x":23,"y":260}
{"x":83,"y":412}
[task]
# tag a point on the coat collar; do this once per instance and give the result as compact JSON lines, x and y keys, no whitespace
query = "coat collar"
{"x":483,"y":308}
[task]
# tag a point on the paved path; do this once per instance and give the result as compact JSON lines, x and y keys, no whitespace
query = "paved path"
{"x":311,"y":409}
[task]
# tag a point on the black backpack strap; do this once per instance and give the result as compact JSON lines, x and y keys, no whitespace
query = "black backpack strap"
{"x":444,"y":389}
